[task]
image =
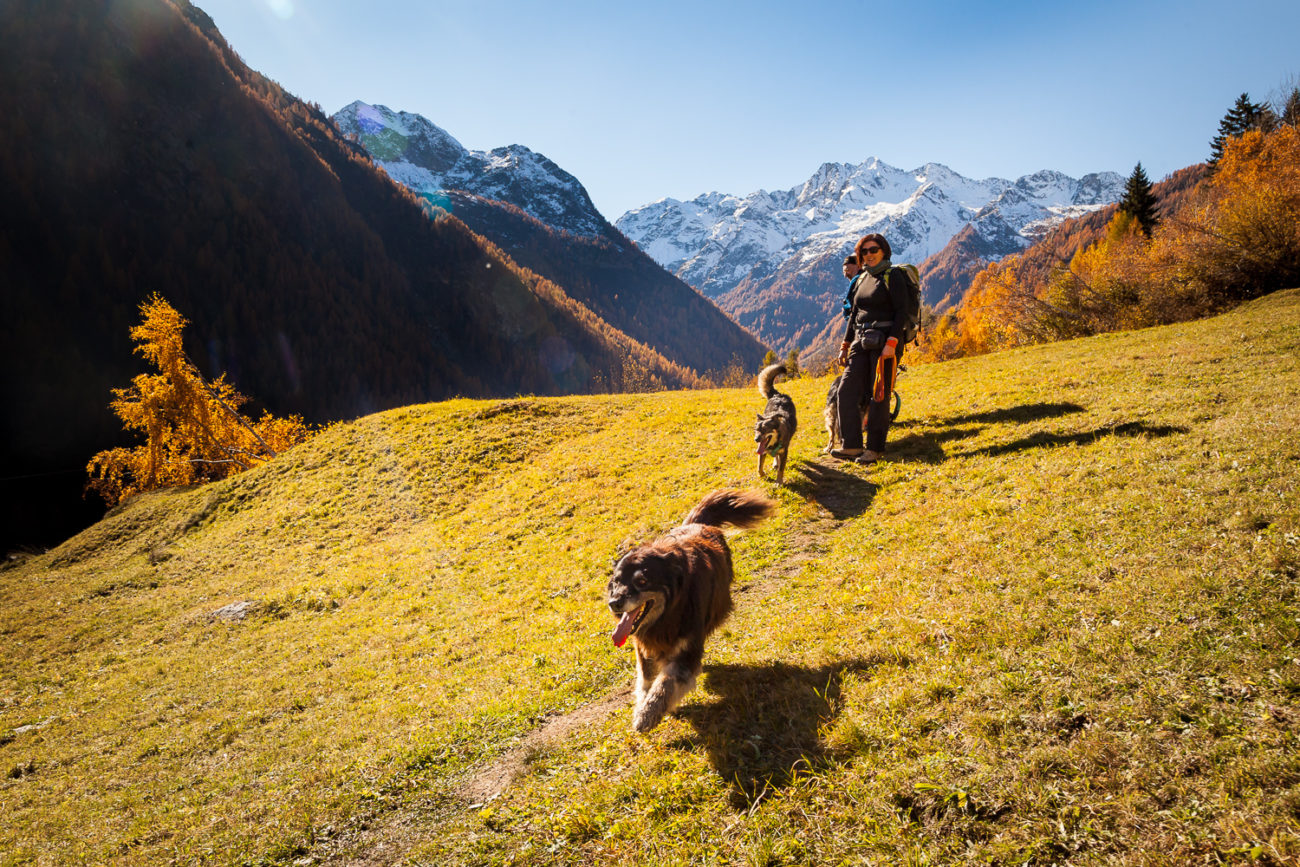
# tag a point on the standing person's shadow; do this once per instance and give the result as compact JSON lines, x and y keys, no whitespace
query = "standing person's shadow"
{"x":928,"y":448}
{"x":843,"y":494}
{"x":931,"y":447}
{"x":764,"y":723}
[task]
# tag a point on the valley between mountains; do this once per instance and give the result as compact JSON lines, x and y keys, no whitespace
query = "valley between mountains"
{"x":770,"y":260}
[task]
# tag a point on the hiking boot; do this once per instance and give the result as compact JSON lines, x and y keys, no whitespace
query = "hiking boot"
{"x":846,"y":454}
{"x":869,"y":457}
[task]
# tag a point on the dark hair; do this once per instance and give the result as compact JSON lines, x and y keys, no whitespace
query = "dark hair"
{"x":851,"y":259}
{"x":879,"y":239}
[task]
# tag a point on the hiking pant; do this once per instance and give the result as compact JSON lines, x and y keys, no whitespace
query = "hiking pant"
{"x":855,"y":391}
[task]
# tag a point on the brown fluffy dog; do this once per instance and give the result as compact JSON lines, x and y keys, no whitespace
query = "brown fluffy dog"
{"x":671,"y":593}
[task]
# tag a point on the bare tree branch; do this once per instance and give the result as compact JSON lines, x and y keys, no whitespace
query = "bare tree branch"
{"x":239,"y":419}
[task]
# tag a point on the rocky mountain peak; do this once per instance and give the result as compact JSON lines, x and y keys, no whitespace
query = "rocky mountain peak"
{"x":755,"y":253}
{"x":392,"y":136}
{"x":420,"y":155}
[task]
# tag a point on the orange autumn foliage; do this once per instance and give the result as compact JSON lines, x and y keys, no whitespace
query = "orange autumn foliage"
{"x":985,"y":322}
{"x":193,"y":429}
{"x":1255,"y":196}
{"x":1235,"y":237}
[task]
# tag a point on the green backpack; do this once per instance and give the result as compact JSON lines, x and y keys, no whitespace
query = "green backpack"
{"x":912,"y":315}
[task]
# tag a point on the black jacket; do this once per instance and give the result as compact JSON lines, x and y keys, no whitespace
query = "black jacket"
{"x":871,"y":301}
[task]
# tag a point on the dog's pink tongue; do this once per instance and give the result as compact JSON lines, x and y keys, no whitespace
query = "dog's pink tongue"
{"x":624,"y":628}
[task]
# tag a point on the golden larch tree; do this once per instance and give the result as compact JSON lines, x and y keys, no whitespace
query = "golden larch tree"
{"x":194,"y":431}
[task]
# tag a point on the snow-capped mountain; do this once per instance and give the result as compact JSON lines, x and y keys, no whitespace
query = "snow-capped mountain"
{"x":542,"y":217}
{"x":716,"y":242}
{"x":429,"y":161}
{"x":770,"y":260}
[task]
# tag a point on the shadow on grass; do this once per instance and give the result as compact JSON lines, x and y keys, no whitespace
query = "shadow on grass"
{"x":1028,"y":412}
{"x":762,"y":728}
{"x":843,"y":494}
{"x":929,"y":447}
{"x":1047,"y":440}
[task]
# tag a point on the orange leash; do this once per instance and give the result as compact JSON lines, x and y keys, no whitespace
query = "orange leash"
{"x":883,"y":391}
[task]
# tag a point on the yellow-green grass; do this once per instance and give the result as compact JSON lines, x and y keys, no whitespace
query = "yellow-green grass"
{"x":1057,"y":625}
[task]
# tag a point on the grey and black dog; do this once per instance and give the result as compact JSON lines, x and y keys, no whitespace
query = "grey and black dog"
{"x":776,"y":423}
{"x":831,"y":416}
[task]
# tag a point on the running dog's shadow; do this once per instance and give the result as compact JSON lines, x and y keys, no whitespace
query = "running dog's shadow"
{"x":762,"y":724}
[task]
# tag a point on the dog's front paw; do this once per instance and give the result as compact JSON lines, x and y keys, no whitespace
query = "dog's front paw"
{"x":643,"y":719}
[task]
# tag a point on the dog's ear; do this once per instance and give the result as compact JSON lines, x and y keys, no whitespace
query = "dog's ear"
{"x":675,"y":567}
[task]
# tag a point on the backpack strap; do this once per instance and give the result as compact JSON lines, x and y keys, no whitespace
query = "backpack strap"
{"x":846,"y":309}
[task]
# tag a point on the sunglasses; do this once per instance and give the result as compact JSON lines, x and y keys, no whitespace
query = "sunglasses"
{"x":871,"y":250}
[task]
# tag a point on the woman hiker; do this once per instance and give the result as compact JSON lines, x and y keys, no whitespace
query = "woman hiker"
{"x":874,"y":335}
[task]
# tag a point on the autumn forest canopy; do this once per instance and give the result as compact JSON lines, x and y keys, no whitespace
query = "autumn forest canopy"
{"x":1219,"y":235}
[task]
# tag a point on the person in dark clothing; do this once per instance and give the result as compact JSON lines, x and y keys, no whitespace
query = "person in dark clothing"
{"x":851,"y":268}
{"x":874,"y":338}
{"x":852,"y":271}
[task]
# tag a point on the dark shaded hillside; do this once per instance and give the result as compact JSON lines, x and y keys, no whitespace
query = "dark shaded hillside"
{"x":791,"y":309}
{"x":619,"y":283}
{"x":142,"y":156}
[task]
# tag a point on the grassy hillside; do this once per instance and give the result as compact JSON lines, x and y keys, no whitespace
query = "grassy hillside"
{"x":1059,"y":626}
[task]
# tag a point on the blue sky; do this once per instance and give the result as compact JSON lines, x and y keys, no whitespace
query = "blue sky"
{"x":643,"y":101}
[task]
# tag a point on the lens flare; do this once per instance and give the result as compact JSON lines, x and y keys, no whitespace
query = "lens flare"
{"x":282,"y":8}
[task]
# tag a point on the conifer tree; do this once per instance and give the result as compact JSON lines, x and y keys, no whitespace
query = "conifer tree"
{"x":193,"y":428}
{"x":1291,"y":108}
{"x":1243,"y":115}
{"x":1139,"y":201}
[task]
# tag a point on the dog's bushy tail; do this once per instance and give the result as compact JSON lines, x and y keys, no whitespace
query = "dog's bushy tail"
{"x":728,"y":506}
{"x":767,"y":377}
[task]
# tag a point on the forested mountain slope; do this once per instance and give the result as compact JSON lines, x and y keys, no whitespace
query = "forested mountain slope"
{"x":141,"y":156}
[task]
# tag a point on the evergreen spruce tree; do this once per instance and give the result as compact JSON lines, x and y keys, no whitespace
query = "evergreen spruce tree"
{"x":1139,"y":201}
{"x":1243,"y":115}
